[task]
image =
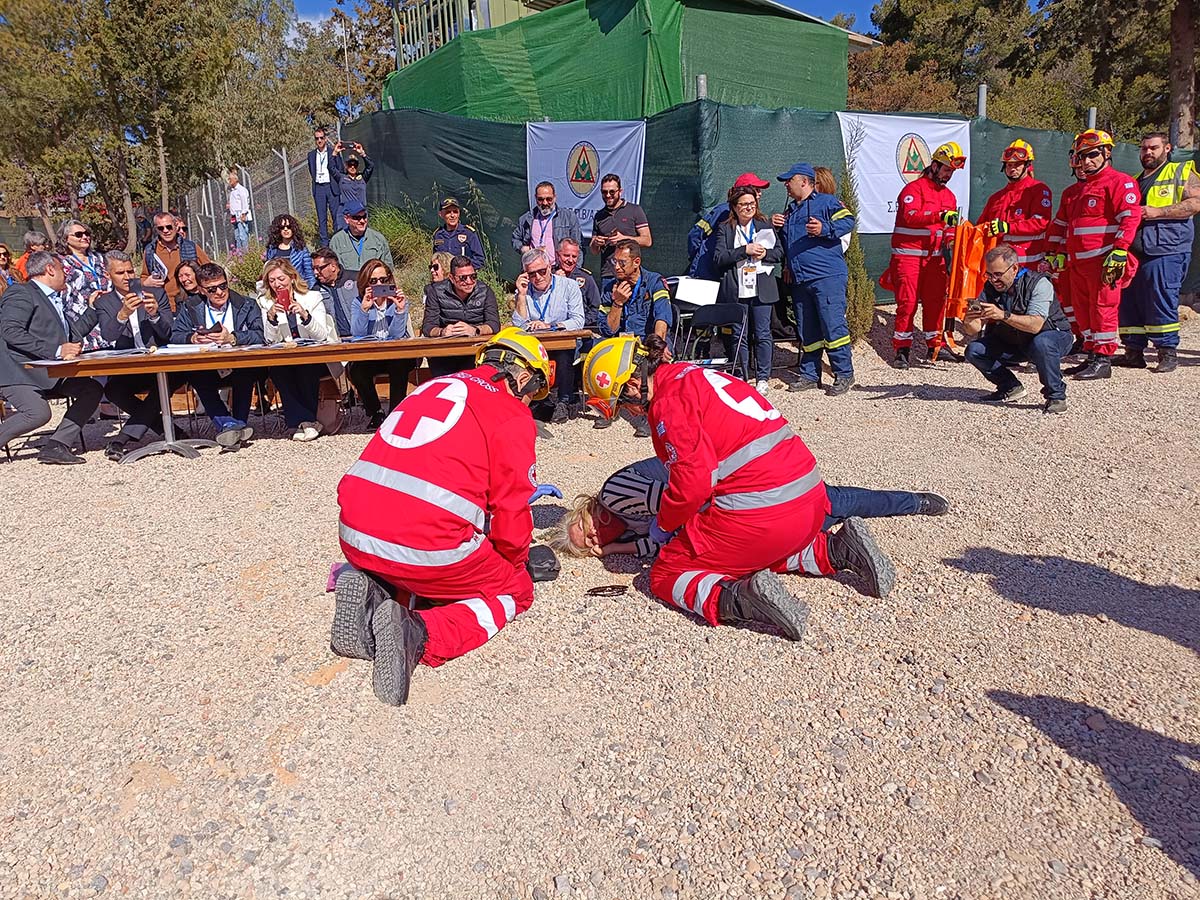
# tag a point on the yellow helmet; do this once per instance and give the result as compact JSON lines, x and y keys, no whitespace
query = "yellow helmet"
{"x":1091,"y":139}
{"x":606,"y":369}
{"x":1017,"y":152}
{"x":950,"y":154}
{"x":512,"y":345}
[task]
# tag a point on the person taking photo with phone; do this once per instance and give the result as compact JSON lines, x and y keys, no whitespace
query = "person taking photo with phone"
{"x":382,"y":313}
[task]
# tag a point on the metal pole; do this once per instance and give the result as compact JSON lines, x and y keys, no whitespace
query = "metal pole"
{"x":981,"y":101}
{"x":701,"y":87}
{"x":1091,"y":120}
{"x":346,"y":58}
{"x":250,"y":190}
{"x":287,"y":178}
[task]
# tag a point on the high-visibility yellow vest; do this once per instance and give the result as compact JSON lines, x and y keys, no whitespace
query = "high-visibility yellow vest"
{"x":1159,"y":237}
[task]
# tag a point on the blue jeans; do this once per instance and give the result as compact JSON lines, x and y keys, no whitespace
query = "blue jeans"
{"x":992,"y":356}
{"x":241,"y":235}
{"x":820,"y":307}
{"x":1150,"y":305}
{"x":845,"y":502}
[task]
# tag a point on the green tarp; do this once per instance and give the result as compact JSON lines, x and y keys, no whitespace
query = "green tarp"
{"x":597,"y":60}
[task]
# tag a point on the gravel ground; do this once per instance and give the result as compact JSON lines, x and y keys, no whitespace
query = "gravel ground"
{"x":1019,"y":719}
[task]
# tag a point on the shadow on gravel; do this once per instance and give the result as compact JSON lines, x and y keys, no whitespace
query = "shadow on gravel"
{"x":1143,"y":768}
{"x":935,"y":392}
{"x":1068,"y":587}
{"x":547,"y":514}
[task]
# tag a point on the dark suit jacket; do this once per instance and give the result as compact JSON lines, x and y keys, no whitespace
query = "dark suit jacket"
{"x":120,"y":334}
{"x":247,"y":321}
{"x":335,"y":169}
{"x":443,"y":306}
{"x":31,"y":329}
{"x":726,"y":258}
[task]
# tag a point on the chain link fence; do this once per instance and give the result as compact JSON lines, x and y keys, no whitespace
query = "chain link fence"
{"x":279,"y":183}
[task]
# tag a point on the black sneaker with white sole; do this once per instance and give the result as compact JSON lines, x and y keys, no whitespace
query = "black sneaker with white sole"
{"x":400,"y":637}
{"x":852,"y":548}
{"x":762,"y":599}
{"x":1005,"y":395}
{"x":356,"y":597}
{"x":931,"y":504}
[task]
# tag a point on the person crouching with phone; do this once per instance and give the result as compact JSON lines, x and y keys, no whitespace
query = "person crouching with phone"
{"x":227,"y":319}
{"x":291,"y":313}
{"x":1016,"y":319}
{"x":382,"y":313}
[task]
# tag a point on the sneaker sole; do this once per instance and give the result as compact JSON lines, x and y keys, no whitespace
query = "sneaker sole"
{"x":885,"y":573}
{"x":350,"y":635}
{"x":390,"y":678}
{"x":229,"y":438}
{"x":790,"y":615}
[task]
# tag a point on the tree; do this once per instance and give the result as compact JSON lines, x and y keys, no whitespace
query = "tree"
{"x":887,"y":79}
{"x":1182,"y":71}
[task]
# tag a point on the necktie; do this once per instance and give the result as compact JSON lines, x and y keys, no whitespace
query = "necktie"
{"x":136,"y":327}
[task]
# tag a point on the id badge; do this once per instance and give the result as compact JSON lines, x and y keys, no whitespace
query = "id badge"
{"x":750,"y":277}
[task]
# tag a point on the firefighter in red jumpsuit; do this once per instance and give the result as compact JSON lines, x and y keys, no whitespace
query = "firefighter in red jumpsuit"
{"x":1055,"y":245}
{"x":1020,"y":211}
{"x":1096,"y":222}
{"x":744,"y":498}
{"x":926,"y":214}
{"x":436,"y":513}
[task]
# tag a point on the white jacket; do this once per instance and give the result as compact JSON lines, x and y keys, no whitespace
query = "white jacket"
{"x":320,"y":327}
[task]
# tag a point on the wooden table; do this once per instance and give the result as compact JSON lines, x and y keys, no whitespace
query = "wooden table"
{"x":160,"y":364}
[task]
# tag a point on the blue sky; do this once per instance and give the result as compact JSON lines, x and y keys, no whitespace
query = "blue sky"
{"x":862,"y":8}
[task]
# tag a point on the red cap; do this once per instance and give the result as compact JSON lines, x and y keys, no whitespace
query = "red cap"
{"x":749,"y":179}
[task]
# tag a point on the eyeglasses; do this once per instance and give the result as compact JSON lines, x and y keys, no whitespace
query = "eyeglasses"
{"x":214,"y":289}
{"x":170,"y":227}
{"x":612,"y":193}
{"x":323,"y":263}
{"x":386,"y":279}
{"x":748,"y":205}
{"x":469,"y":277}
{"x":80,"y":234}
{"x":622,"y":263}
{"x":538,"y":273}
{"x":996,"y":276}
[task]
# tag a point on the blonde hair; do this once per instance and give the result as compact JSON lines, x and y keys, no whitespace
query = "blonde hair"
{"x":558,"y":537}
{"x":299,"y":286}
{"x":824,"y":181}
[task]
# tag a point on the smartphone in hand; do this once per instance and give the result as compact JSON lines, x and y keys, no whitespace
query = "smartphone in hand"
{"x":136,"y":287}
{"x":384,"y":291}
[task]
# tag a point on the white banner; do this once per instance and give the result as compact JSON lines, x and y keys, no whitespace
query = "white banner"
{"x":574,"y":156}
{"x":887,"y":152}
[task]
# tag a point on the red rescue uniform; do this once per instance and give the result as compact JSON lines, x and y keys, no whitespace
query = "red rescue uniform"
{"x":1026,"y":205}
{"x":918,"y":270}
{"x":438,"y":505}
{"x":1095,"y":217}
{"x":743,"y":488}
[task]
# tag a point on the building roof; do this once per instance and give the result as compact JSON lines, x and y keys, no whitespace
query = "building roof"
{"x":857,"y":41}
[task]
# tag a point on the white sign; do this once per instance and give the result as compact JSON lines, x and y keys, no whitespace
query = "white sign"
{"x":885,"y":153}
{"x":574,"y":156}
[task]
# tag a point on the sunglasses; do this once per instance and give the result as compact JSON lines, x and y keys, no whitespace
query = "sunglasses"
{"x":361,"y":218}
{"x":4,"y":254}
{"x":538,"y":273}
{"x":610,"y":193}
{"x":1091,"y":154}
{"x":435,"y":268}
{"x":170,"y":227}
{"x":287,"y":225}
{"x":214,"y":289}
{"x":80,"y":234}
{"x":471,"y":277}
{"x":386,"y":279}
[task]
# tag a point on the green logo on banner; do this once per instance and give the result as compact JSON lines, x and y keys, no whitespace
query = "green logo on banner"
{"x":583,"y":162}
{"x":912,"y":156}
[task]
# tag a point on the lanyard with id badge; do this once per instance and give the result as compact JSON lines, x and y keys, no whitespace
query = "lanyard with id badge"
{"x":748,"y":271}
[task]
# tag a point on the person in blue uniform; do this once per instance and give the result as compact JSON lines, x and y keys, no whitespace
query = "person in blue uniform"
{"x":455,"y":238}
{"x":702,"y":239}
{"x":636,"y":301}
{"x":812,"y":246}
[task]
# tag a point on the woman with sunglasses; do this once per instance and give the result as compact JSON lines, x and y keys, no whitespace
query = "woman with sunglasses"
{"x":382,"y":313}
{"x":439,"y":267}
{"x":291,"y":312}
{"x":87,"y":278}
{"x":8,"y":274}
{"x":286,"y":239}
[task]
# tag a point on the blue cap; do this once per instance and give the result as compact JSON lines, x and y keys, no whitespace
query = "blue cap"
{"x":353,"y":208}
{"x":799,"y":169}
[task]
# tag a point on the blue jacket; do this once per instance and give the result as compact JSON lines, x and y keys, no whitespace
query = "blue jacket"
{"x":364,"y":323}
{"x":300,"y":259}
{"x":462,"y":241}
{"x":650,"y":303}
{"x":702,"y":243}
{"x":810,"y":257}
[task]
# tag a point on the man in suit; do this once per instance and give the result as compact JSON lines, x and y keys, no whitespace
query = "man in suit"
{"x":324,"y":166}
{"x":133,"y":321}
{"x":221,"y":317}
{"x":33,"y":325}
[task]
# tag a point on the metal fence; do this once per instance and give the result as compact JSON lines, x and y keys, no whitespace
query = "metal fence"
{"x":277,"y":184}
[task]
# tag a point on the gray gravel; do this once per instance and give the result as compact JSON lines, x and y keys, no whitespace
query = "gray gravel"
{"x":1019,"y":719}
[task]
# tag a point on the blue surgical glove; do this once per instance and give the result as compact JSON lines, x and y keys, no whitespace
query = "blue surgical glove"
{"x":545,"y":490}
{"x":656,"y":533}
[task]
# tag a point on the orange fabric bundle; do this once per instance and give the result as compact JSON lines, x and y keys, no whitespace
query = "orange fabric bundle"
{"x":966,"y":279}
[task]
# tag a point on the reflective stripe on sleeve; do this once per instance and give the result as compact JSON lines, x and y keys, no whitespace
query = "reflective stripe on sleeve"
{"x":409,"y":556}
{"x":1037,"y":257}
{"x":840,"y":214}
{"x":771,"y":496}
{"x":1095,"y":229}
{"x":1092,"y":254}
{"x":403,"y":483}
{"x":912,"y":232}
{"x":908,"y":251}
{"x":746,"y":454}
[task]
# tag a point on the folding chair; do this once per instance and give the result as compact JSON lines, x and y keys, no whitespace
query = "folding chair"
{"x":706,"y":323}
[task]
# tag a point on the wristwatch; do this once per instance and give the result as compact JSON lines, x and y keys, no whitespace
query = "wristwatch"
{"x":1007,"y":314}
